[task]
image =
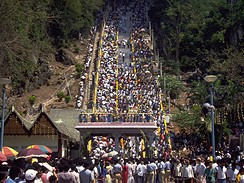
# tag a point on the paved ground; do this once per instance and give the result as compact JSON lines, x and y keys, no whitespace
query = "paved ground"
{"x":125,"y":35}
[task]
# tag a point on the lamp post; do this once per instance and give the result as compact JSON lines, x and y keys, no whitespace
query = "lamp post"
{"x":4,"y":82}
{"x":211,"y":79}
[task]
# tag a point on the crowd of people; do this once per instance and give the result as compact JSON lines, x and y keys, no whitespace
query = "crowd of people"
{"x":124,"y":87}
{"x":83,"y":78}
{"x":122,"y":170}
{"x":106,"y":92}
{"x":137,"y":84}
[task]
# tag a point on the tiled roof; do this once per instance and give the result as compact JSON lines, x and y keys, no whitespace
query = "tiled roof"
{"x":69,"y":118}
{"x":29,"y":123}
{"x":61,"y":127}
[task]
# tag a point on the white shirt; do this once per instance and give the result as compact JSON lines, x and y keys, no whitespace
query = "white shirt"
{"x":242,"y":179}
{"x":161,"y":166}
{"x":177,"y":170}
{"x":221,"y":172}
{"x":141,"y":169}
{"x":187,"y":171}
{"x":235,"y":174}
{"x":200,"y":168}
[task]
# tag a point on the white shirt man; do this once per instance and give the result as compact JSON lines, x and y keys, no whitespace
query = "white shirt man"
{"x":161,"y":171}
{"x":141,"y":169}
{"x":221,"y":171}
{"x":177,"y":169}
{"x":232,"y":173}
{"x":200,"y":169}
{"x":187,"y":171}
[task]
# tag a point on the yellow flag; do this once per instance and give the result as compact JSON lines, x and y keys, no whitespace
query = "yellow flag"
{"x":122,"y":143}
{"x":158,"y":131}
{"x":143,"y":148}
{"x":89,"y":146}
{"x":211,"y":158}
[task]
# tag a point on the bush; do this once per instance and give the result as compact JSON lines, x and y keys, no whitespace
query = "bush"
{"x":60,"y":95}
{"x":32,"y":99}
{"x":78,"y":75}
{"x":67,"y":98}
{"x":79,"y":68}
{"x":77,"y":50}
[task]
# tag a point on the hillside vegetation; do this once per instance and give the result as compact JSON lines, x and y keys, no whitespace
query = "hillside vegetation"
{"x":200,"y":37}
{"x":193,"y":39}
{"x":32,"y":30}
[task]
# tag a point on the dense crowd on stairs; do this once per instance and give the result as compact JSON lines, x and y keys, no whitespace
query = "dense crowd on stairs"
{"x":84,"y":77}
{"x":106,"y":94}
{"x":127,"y":86}
{"x":137,"y":83}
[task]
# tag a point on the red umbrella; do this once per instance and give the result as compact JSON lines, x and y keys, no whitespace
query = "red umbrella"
{"x":45,"y":149}
{"x":31,"y":153}
{"x":9,"y":152}
{"x":2,"y":157}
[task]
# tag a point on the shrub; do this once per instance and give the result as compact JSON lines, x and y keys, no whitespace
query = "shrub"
{"x":77,"y":50}
{"x":32,"y":99}
{"x":78,"y":68}
{"x":67,"y":98}
{"x":60,"y":95}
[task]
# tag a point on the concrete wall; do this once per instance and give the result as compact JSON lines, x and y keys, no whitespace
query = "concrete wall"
{"x":21,"y":142}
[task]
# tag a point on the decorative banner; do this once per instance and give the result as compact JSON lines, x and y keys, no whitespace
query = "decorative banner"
{"x":89,"y":146}
{"x":159,"y":131}
{"x":122,"y":143}
{"x":143,"y":148}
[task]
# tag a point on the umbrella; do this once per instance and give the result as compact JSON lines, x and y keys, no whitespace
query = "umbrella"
{"x":112,"y":153}
{"x":2,"y":157}
{"x":31,"y":153}
{"x":105,"y":155}
{"x":9,"y":152}
{"x":142,"y":30}
{"x":45,"y":149}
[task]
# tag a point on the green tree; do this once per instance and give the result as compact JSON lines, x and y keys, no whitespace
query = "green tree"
{"x":198,"y":92}
{"x":192,"y":122}
{"x":73,"y":16}
{"x":189,"y":31}
{"x":23,"y":38}
{"x":171,"y":84}
{"x":229,"y":66}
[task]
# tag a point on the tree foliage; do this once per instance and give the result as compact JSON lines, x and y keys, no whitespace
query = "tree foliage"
{"x":31,"y":29}
{"x":172,"y":85}
{"x":73,"y":17}
{"x":207,"y":36}
{"x":188,"y":31}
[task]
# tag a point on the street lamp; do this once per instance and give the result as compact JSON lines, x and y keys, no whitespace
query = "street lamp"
{"x":4,"y":82}
{"x":211,"y":79}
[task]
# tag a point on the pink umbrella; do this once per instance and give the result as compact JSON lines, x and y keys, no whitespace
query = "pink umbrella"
{"x":2,"y":157}
{"x":31,"y":153}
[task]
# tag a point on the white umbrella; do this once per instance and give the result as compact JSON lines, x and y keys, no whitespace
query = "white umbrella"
{"x":112,"y":153}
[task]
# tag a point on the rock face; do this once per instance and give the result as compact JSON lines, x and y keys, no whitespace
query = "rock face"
{"x":40,"y":76}
{"x":236,"y":35}
{"x":65,"y":57}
